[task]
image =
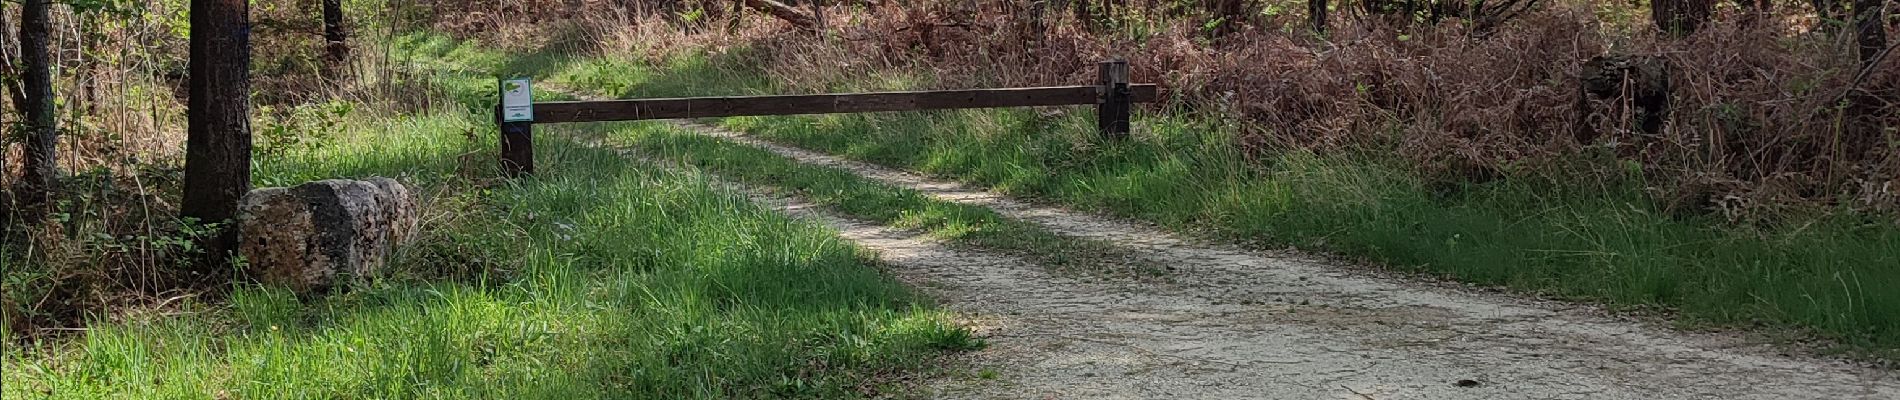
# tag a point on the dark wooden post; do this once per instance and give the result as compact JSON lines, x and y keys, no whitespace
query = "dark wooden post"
{"x":517,"y":148}
{"x":517,"y":131}
{"x":1112,"y":115}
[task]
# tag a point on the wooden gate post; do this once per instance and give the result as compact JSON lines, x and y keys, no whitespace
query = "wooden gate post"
{"x":1112,"y":114}
{"x":515,"y":114}
{"x":517,"y":148}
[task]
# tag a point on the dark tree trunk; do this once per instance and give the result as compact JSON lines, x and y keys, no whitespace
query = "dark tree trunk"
{"x":1037,"y":9}
{"x":1317,"y":10}
{"x":218,"y":148}
{"x":37,"y":110}
{"x":1038,"y":28}
{"x":1870,"y":18}
{"x":336,"y":37}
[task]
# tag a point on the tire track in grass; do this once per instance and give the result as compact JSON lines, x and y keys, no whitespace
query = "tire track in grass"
{"x":1233,"y":323}
{"x":961,"y":225}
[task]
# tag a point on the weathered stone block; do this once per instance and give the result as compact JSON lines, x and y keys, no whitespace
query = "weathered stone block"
{"x":320,"y":234}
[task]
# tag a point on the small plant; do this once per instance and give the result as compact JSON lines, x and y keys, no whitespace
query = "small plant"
{"x":302,"y":128}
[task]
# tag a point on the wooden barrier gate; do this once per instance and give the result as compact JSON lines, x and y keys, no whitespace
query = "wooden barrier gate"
{"x":1113,"y":96}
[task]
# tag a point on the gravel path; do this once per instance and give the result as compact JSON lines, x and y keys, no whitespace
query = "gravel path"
{"x":1232,"y":323}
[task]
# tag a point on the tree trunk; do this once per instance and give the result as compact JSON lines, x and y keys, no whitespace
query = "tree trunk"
{"x":218,"y":146}
{"x":336,"y":37}
{"x":1083,"y":15}
{"x":1870,"y":18}
{"x":37,"y":110}
{"x":1038,"y":27}
{"x":1317,"y":10}
{"x":818,"y":15}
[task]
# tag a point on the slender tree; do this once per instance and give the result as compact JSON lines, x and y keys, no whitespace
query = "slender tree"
{"x":1084,"y":15}
{"x":818,"y":15}
{"x":1317,"y":10}
{"x":1038,"y":26}
{"x":336,"y":37}
{"x":218,"y":146}
{"x":36,"y":106}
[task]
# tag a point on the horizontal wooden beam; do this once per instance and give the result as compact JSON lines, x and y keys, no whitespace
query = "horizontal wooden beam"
{"x":711,"y":107}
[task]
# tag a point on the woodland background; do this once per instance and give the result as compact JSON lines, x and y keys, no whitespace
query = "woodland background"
{"x":1758,"y":116}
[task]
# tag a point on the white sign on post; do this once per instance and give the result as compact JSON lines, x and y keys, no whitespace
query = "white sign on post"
{"x":517,"y":100}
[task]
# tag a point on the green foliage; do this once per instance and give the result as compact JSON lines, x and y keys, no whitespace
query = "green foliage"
{"x":693,"y":15}
{"x":301,"y":128}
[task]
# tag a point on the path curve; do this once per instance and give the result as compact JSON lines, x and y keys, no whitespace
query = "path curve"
{"x":1232,"y":323}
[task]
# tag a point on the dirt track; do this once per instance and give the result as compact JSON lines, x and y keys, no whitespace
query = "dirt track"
{"x":1231,"y":323}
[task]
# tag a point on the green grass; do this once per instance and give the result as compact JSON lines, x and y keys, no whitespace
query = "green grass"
{"x":863,"y":198}
{"x":599,"y":278}
{"x":1589,"y":239}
